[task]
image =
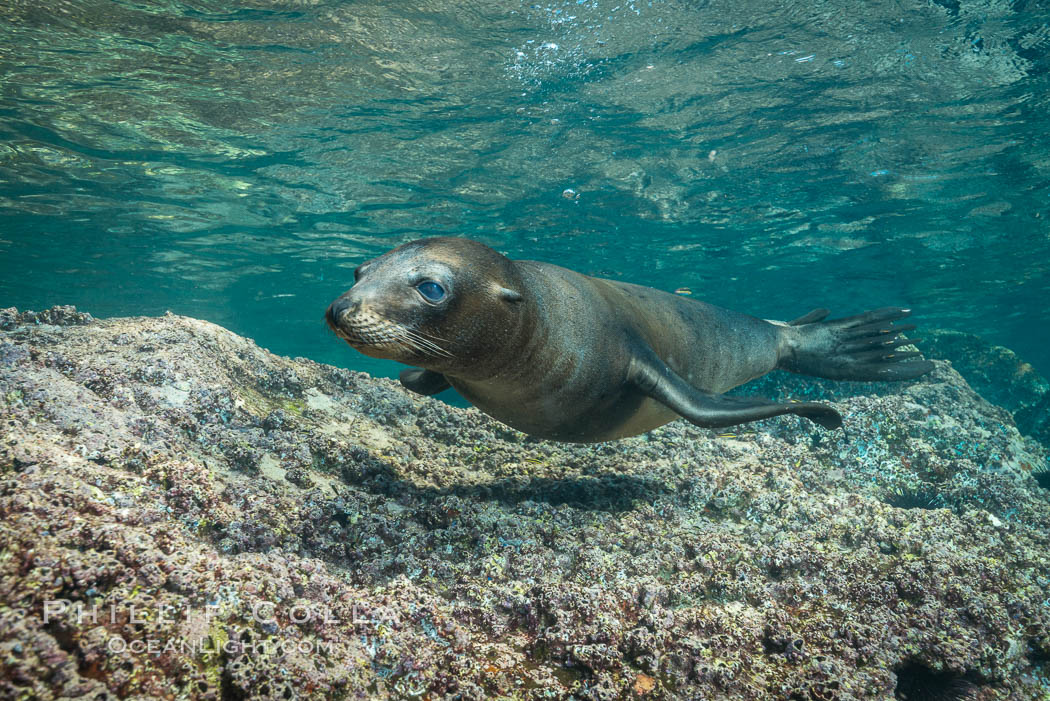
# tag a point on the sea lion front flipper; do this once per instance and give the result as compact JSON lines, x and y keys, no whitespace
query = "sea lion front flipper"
{"x":425,"y":382}
{"x":654,"y":379}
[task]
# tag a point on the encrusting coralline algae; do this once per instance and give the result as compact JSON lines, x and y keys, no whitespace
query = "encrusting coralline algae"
{"x":185,"y":515}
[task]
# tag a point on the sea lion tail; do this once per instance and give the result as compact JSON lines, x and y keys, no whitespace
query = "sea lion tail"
{"x":865,"y":347}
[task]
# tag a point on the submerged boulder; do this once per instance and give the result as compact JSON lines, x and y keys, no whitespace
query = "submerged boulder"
{"x":187,"y":515}
{"x":1000,"y":376}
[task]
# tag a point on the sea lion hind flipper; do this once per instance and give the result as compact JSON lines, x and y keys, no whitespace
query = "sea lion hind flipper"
{"x":425,"y":382}
{"x":860,"y":348}
{"x":654,"y":379}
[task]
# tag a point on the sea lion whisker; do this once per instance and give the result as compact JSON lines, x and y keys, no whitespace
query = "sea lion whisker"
{"x":404,"y":343}
{"x":412,"y":343}
{"x":420,"y":335}
{"x":424,"y":345}
{"x":431,"y":336}
{"x":399,"y":335}
{"x":389,"y":330}
{"x":419,"y":344}
{"x":403,"y":331}
{"x":431,"y":347}
{"x":435,"y":348}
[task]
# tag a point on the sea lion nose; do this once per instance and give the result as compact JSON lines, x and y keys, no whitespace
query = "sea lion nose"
{"x":339,"y":308}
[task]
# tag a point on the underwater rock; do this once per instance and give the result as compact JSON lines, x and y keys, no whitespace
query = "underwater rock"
{"x":1035,"y":420}
{"x":998,"y":375}
{"x":61,"y":315}
{"x":187,"y":515}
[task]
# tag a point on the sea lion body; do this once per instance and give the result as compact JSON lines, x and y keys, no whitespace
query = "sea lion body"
{"x":569,"y":373}
{"x":564,"y":356}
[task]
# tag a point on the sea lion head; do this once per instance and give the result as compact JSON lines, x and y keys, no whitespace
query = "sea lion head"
{"x":445,"y":304}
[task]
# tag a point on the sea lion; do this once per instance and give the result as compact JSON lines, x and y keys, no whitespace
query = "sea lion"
{"x":568,"y":357}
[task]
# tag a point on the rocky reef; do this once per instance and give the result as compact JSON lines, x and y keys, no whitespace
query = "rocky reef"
{"x":1000,"y":376}
{"x":185,"y":515}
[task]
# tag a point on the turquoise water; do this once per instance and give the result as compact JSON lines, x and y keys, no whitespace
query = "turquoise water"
{"x":235,"y":161}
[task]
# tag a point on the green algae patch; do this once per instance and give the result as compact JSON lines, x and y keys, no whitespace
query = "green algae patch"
{"x":212,"y":656}
{"x":259,"y":405}
{"x":293,"y":406}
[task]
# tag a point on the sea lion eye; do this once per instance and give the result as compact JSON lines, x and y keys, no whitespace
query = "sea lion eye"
{"x":431,"y":290}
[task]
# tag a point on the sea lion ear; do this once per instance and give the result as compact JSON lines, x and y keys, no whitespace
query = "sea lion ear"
{"x":509,"y":295}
